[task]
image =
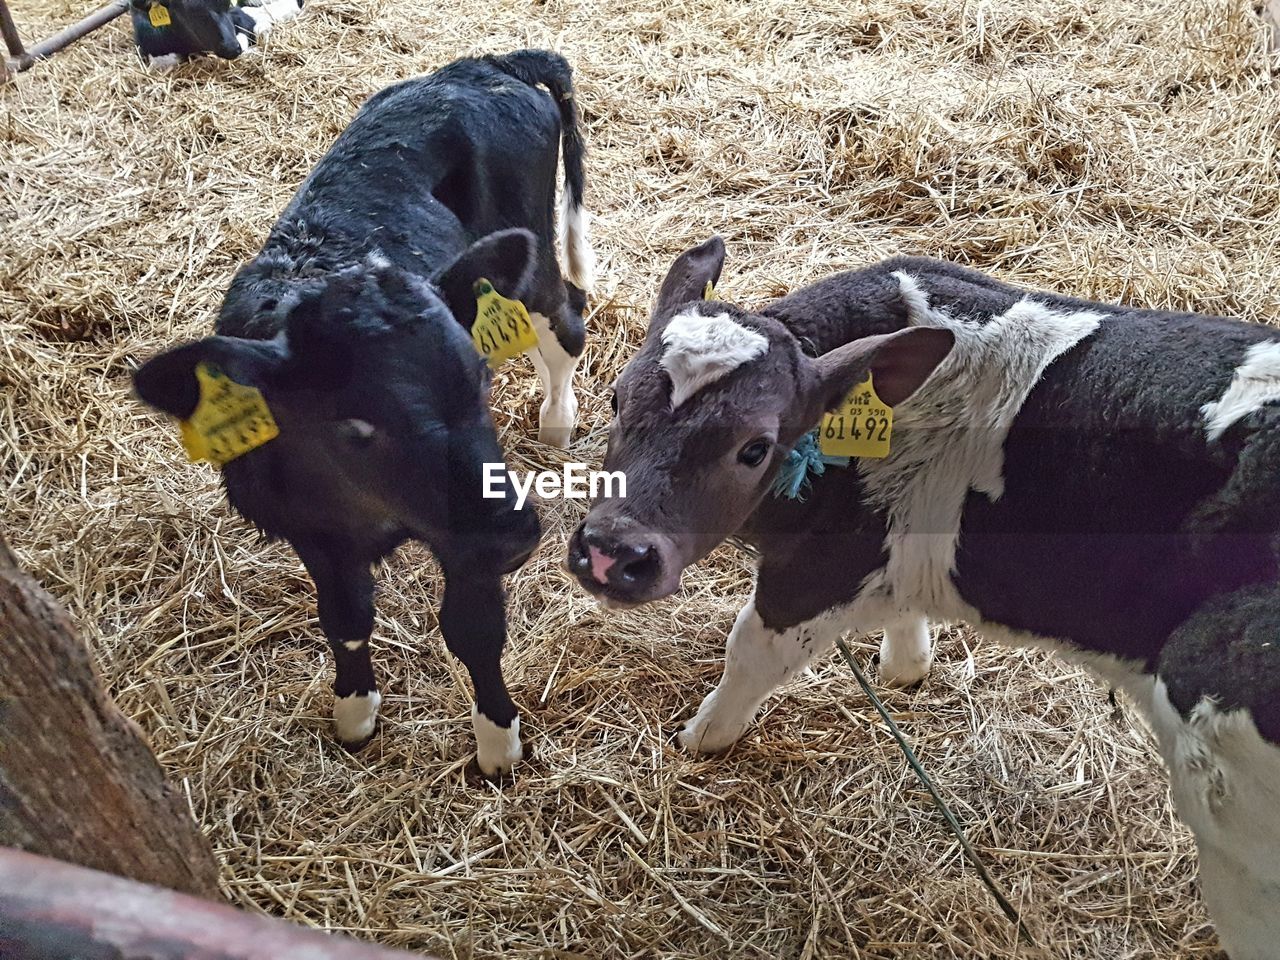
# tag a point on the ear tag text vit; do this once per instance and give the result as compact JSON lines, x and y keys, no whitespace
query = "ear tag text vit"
{"x":502,"y":328}
{"x":860,"y":427}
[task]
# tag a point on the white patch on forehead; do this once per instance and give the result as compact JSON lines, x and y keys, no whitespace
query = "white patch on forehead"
{"x":1256,"y":382}
{"x":956,"y":425}
{"x":700,"y":350}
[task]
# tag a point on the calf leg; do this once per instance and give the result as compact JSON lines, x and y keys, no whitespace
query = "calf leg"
{"x":1225,"y":780}
{"x":757,"y":661}
{"x":906,"y":652}
{"x":266,"y":15}
{"x":473,"y":621}
{"x":555,"y":366}
{"x":344,"y":591}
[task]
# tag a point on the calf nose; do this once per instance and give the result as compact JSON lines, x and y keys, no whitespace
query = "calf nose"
{"x":633,"y":563}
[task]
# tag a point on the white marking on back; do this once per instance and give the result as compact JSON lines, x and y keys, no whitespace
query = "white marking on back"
{"x":497,"y":748}
{"x":575,"y":244}
{"x":1256,"y":382}
{"x":953,"y":442}
{"x":702,"y":349}
{"x":1225,"y":780}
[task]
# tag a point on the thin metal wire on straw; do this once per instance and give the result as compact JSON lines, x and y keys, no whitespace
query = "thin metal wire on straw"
{"x":1005,"y":906}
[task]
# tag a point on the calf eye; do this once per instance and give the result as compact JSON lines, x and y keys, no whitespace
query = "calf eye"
{"x":753,"y":454}
{"x":613,"y":401}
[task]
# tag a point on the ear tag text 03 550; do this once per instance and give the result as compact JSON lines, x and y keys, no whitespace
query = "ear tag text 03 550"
{"x":860,"y":427}
{"x":502,"y":328}
{"x":230,"y":419}
{"x":158,"y":14}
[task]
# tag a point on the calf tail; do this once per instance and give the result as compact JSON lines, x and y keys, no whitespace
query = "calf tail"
{"x":552,"y":71}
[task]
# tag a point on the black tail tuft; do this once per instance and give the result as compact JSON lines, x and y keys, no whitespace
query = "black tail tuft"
{"x":552,"y":71}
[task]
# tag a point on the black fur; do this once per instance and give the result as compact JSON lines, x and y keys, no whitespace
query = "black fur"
{"x":353,"y":323}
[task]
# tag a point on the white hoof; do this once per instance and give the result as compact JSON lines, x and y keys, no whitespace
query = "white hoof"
{"x":355,"y":716}
{"x":498,"y":748}
{"x":555,"y":421}
{"x":906,"y":654}
{"x":708,"y":733}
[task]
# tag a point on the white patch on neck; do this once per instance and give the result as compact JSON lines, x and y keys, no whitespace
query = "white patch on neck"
{"x":701,"y":350}
{"x":956,"y":425}
{"x":1256,"y":381}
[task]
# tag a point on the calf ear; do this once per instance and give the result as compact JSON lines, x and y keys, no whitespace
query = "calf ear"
{"x":899,"y":363}
{"x":506,"y":259}
{"x":168,"y":381}
{"x":688,"y":278}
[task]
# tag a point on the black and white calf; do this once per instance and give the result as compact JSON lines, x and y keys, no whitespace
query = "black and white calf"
{"x":168,"y":31}
{"x":353,"y":324}
{"x":1097,"y":479}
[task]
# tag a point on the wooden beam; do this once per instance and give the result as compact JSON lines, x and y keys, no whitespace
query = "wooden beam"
{"x":78,"y":780}
{"x":55,"y":911}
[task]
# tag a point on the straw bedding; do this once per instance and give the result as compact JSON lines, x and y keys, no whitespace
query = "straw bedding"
{"x":1117,"y":150}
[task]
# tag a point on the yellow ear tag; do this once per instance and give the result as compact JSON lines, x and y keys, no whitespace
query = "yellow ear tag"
{"x":708,"y":291}
{"x":230,"y":419}
{"x":860,"y":427}
{"x":159,"y":15}
{"x":502,"y":328}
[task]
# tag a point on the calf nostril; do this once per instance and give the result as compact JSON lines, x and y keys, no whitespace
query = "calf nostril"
{"x":641,"y":568}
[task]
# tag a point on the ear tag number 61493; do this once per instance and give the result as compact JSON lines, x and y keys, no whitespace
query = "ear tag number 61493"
{"x":860,"y":427}
{"x":229,"y":420}
{"x":502,"y":328}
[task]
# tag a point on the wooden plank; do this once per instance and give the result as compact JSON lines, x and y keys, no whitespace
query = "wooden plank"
{"x":55,"y":911}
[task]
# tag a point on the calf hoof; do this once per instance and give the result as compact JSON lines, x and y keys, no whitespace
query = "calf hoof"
{"x":555,"y":436}
{"x":498,"y":749}
{"x":707,"y":737}
{"x":354,"y":719}
{"x":904,"y":673}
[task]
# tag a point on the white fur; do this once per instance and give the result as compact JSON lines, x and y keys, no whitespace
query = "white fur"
{"x":555,"y":366}
{"x":267,"y":15}
{"x":1256,"y":381}
{"x":575,"y":244}
{"x":353,"y":645}
{"x":701,"y":349}
{"x":951,"y":436}
{"x":498,"y":748}
{"x":757,"y":661}
{"x":166,"y":62}
{"x":355,"y":716}
{"x":1225,"y":780}
{"x":906,"y":652}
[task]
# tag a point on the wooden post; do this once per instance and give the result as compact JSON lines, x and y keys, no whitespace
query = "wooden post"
{"x":54,"y":911}
{"x":25,"y":59}
{"x":77,"y":779}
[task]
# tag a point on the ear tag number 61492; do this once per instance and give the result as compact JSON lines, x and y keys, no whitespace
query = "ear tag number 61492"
{"x":860,"y":427}
{"x":502,"y":328}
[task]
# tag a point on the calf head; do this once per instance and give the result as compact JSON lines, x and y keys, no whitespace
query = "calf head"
{"x":704,"y":416}
{"x":381,"y":401}
{"x":195,"y":26}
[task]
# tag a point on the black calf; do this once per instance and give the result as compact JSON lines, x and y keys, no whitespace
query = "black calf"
{"x":176,"y":29}
{"x":352,"y":323}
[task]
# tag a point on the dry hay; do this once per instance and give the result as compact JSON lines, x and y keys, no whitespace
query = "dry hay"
{"x":1109,"y":148}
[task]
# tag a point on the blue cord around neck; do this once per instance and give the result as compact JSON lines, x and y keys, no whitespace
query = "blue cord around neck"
{"x":805,"y":460}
